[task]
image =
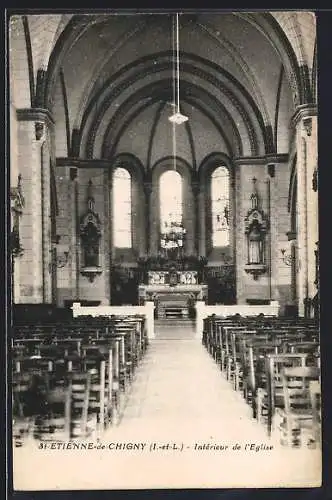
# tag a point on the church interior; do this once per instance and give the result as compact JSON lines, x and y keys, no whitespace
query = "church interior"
{"x":164,"y":225}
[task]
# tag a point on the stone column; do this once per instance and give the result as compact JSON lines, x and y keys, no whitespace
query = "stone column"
{"x":312,"y":201}
{"x":302,"y":221}
{"x":111,"y":219}
{"x":240,"y":175}
{"x":107,"y":237}
{"x":196,"y":191}
{"x":201,"y":216}
{"x":305,"y":121}
{"x":147,"y":192}
{"x":277,"y":185}
{"x":74,"y":272}
{"x":46,"y":221}
{"x":33,"y":274}
{"x":154,"y":217}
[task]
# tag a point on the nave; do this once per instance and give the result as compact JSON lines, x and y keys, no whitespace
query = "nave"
{"x":124,"y":214}
{"x":178,"y":397}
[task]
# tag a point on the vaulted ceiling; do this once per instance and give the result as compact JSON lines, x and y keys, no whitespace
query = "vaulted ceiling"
{"x":108,"y":80}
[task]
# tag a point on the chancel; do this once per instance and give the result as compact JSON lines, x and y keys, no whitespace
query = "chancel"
{"x":164,"y":198}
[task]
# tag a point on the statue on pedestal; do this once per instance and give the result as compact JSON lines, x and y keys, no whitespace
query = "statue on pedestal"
{"x":256,"y":226}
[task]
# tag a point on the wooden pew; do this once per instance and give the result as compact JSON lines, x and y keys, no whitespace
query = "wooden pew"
{"x":297,"y":423}
{"x":73,"y":355}
{"x":271,"y":396}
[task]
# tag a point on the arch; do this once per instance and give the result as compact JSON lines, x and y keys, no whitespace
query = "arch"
{"x":236,"y":57}
{"x":160,"y":87}
{"x":136,"y":170}
{"x":228,"y":46}
{"x":160,"y":61}
{"x":237,"y":151}
{"x":208,"y":163}
{"x":264,"y":22}
{"x":269,"y":26}
{"x":99,"y":65}
{"x":186,"y":171}
{"x":167,"y":162}
{"x":74,"y":29}
{"x":205,"y":171}
{"x":192,"y":69}
{"x":130,"y":162}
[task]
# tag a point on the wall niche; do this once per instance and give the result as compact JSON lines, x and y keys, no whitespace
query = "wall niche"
{"x":256,"y":227}
{"x":90,"y":234}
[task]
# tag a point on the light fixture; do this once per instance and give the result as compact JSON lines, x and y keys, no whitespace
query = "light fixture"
{"x":177,"y":118}
{"x":61,"y":258}
{"x":289,"y":259}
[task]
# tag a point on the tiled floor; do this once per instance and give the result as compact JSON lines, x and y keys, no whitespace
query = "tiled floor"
{"x":179,"y":404}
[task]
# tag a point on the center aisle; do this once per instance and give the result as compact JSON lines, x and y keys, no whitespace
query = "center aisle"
{"x":183,"y":427}
{"x":179,"y":386}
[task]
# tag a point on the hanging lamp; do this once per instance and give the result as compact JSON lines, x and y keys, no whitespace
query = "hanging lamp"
{"x":177,"y":118}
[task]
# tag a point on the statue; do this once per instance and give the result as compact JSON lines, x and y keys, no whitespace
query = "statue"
{"x":90,"y":239}
{"x":90,"y":232}
{"x":255,"y":245}
{"x":256,"y":226}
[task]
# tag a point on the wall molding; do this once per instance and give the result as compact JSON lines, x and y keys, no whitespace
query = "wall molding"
{"x":35,"y":115}
{"x":108,"y":164}
{"x":303,"y":111}
{"x":262,"y":160}
{"x":83,"y":163}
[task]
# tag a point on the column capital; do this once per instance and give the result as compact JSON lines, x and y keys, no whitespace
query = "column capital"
{"x":304,"y":114}
{"x":42,"y":117}
{"x":35,"y":114}
{"x":147,"y":186}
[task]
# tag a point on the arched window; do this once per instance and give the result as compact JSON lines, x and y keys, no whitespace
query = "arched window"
{"x":171,"y":210}
{"x":122,"y":212}
{"x":220,"y":207}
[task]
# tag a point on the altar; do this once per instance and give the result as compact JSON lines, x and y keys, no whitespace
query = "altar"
{"x":174,"y":294}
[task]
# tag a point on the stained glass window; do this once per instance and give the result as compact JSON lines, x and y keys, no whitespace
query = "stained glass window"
{"x":122,"y":211}
{"x":220,"y":207}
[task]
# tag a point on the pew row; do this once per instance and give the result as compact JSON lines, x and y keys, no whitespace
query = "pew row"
{"x":147,"y":310}
{"x":204,"y":311}
{"x":73,"y":377}
{"x":275,"y":364}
